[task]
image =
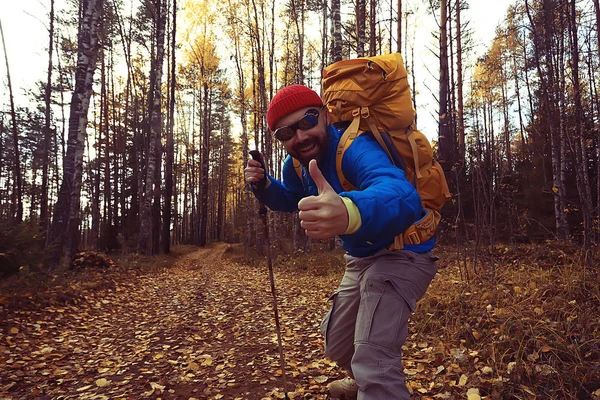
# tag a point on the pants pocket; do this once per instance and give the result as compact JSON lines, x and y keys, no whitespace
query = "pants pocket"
{"x":383,"y":315}
{"x":325,"y":322}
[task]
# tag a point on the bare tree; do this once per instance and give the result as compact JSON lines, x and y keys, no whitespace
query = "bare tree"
{"x":18,"y":192}
{"x":47,"y":131}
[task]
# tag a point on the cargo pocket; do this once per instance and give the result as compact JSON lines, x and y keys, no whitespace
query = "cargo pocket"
{"x":383,"y":315}
{"x":325,"y":322}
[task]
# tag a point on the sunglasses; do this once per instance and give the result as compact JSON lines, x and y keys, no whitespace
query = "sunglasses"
{"x":308,"y":121}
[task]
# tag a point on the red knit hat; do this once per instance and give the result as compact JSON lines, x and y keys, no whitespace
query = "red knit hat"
{"x":290,"y":99}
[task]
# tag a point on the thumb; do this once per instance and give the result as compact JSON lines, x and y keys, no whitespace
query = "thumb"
{"x":317,"y":176}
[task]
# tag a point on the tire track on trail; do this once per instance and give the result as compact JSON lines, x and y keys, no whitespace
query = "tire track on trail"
{"x":203,"y":329}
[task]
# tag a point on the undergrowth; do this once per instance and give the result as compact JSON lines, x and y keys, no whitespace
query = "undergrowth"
{"x":535,"y":320}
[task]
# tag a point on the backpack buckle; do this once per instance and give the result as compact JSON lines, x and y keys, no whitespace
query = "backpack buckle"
{"x":364,"y":112}
{"x":413,"y":238}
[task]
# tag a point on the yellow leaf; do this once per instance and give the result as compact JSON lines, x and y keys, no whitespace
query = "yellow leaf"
{"x":321,"y":379}
{"x":155,"y":385}
{"x":102,"y":382}
{"x":207,"y":362}
{"x":14,"y":331}
{"x":463,"y":380}
{"x":473,"y":394}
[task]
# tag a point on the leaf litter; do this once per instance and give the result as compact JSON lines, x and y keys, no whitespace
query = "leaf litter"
{"x":203,"y":328}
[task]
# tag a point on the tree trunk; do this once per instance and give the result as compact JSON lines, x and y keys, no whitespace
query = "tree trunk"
{"x":542,"y":48}
{"x":583,"y":182}
{"x":241,"y":99}
{"x":597,"y":12}
{"x":459,"y":87}
{"x":204,"y":179}
{"x":65,"y":224}
{"x":170,"y":145}
{"x":47,"y":131}
{"x":18,"y":192}
{"x":399,"y":26}
{"x":146,"y":240}
{"x":445,"y":139}
{"x":372,"y":26}
{"x":360,"y":27}
{"x":336,"y":48}
{"x":298,"y":17}
{"x":324,"y":37}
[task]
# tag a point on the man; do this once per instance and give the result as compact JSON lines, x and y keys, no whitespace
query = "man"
{"x":368,"y":321}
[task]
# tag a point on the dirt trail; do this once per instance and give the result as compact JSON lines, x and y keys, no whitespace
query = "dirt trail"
{"x":203,"y":329}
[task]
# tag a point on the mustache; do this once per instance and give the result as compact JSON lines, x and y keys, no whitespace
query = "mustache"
{"x":304,"y":144}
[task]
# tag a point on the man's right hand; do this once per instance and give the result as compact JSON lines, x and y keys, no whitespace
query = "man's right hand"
{"x":254,"y":173}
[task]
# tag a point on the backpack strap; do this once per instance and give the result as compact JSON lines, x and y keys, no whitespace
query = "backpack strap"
{"x":297,"y":167}
{"x":348,"y":136}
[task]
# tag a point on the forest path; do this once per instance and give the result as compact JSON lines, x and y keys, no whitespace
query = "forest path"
{"x":203,"y":328}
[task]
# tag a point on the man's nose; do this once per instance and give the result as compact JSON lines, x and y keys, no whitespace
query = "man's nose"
{"x":301,"y":135}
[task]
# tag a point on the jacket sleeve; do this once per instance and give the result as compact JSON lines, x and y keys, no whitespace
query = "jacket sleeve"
{"x":284,"y":195}
{"x":388,"y":203}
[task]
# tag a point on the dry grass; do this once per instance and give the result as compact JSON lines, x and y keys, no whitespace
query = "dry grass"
{"x":535,"y":321}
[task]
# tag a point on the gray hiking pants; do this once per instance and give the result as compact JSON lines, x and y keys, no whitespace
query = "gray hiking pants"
{"x":367,"y":323}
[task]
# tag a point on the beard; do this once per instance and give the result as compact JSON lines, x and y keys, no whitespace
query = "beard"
{"x":313,"y":147}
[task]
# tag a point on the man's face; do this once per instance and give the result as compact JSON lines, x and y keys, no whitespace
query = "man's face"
{"x":308,"y":144}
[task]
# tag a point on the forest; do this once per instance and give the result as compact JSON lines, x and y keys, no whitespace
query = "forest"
{"x":136,"y":139}
{"x":134,"y":144}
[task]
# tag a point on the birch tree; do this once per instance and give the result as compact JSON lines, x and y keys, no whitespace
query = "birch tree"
{"x":64,"y":236}
{"x":145,"y":243}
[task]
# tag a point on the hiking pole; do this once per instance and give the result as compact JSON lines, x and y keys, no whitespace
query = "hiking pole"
{"x":259,"y":187}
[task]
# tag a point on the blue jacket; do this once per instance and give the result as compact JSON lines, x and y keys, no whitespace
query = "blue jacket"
{"x":387,"y":201}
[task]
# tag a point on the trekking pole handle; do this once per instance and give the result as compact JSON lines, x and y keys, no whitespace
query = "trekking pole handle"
{"x":259,"y":187}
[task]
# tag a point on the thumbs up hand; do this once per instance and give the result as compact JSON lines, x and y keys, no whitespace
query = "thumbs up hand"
{"x":323,"y":216}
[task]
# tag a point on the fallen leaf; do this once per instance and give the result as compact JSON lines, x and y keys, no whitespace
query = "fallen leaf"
{"x":102,"y":382}
{"x":473,"y":394}
{"x":321,"y":379}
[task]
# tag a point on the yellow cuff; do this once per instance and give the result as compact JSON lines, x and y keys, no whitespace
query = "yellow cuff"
{"x":354,"y":220}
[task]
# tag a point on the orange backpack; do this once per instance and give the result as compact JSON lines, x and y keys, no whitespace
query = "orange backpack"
{"x":374,"y":94}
